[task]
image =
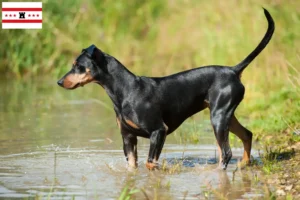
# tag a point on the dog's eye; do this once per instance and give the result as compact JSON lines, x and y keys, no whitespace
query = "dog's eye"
{"x":80,"y":68}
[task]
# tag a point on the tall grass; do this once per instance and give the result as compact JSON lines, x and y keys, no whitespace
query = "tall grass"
{"x":156,"y":38}
{"x":69,"y":26}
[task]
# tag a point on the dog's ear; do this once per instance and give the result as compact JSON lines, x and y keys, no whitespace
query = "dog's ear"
{"x":98,"y":57}
{"x":90,"y":49}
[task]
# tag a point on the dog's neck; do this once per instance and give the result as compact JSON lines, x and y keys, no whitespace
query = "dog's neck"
{"x":117,"y":80}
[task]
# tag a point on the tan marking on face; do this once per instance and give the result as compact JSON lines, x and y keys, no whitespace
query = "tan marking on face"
{"x":131,"y":123}
{"x":74,"y":63}
{"x":131,"y":160}
{"x":73,"y":79}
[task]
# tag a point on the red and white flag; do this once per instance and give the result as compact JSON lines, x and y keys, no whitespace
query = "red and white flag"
{"x":21,"y":15}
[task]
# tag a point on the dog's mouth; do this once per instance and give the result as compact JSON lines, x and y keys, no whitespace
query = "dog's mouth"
{"x":80,"y":84}
{"x":70,"y":86}
{"x":73,"y":81}
{"x":75,"y":86}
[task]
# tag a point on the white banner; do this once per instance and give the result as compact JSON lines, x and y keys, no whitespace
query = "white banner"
{"x":22,"y":15}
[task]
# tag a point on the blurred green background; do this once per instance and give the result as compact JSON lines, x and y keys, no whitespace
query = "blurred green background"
{"x":157,"y":38}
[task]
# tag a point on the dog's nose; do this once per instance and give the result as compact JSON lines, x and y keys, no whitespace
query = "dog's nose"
{"x":60,"y":82}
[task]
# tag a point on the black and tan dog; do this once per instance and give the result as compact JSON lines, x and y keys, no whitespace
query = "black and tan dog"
{"x":154,"y":107}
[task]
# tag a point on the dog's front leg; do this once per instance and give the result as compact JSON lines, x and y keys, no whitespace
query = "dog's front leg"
{"x":130,"y":149}
{"x":157,"y":140}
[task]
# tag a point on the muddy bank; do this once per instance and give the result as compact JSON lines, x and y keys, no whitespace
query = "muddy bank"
{"x":286,"y":179}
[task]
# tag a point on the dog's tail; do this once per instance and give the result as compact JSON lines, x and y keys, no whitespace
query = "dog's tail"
{"x":271,"y":27}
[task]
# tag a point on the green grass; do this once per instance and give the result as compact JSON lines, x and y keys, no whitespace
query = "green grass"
{"x":127,"y":193}
{"x":69,"y":26}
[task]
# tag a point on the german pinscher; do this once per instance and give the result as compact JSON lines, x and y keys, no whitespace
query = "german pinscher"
{"x":155,"y":107}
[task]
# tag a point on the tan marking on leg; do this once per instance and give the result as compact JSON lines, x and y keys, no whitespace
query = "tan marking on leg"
{"x":237,"y":129}
{"x":166,"y":127}
{"x":219,"y":148}
{"x":154,"y":163}
{"x":220,"y":153}
{"x":247,"y":152}
{"x":131,"y":123}
{"x":152,"y":166}
{"x":131,"y":160}
{"x":206,"y":103}
{"x":118,"y":123}
{"x":240,"y":75}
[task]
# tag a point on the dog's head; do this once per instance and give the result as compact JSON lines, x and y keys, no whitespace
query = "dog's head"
{"x":88,"y":67}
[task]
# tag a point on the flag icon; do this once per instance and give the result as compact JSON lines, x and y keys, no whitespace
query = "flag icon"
{"x":21,"y":15}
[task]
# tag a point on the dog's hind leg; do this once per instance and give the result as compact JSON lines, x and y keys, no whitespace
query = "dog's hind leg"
{"x":220,"y":124}
{"x":223,"y":103}
{"x":245,"y":135}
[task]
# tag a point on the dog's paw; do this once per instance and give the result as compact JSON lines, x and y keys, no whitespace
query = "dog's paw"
{"x":243,"y":164}
{"x":152,"y":166}
{"x":132,"y":169}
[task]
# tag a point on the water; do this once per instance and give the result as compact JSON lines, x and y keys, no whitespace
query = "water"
{"x":59,"y":144}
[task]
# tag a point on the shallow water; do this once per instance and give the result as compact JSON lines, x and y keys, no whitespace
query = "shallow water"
{"x":61,"y":144}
